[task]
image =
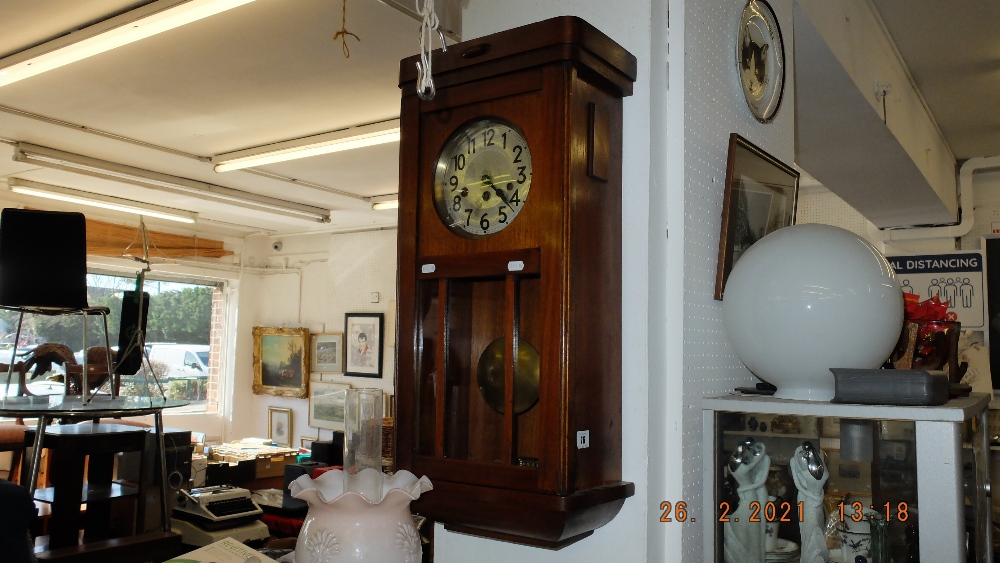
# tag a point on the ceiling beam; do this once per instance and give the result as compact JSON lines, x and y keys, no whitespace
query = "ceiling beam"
{"x":843,"y":142}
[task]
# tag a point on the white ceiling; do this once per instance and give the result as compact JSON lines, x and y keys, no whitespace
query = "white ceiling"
{"x":270,"y":71}
{"x":260,"y":73}
{"x":952,"y":50}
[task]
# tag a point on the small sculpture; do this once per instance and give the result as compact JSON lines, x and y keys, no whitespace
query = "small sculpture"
{"x":744,"y":454}
{"x":814,"y":463}
{"x":744,"y":538}
{"x":40,"y":361}
{"x":810,"y":474}
{"x":42,"y":358}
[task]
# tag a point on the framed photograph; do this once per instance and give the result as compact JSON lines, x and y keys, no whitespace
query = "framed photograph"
{"x":326,"y":405}
{"x":363,"y":333}
{"x":327,"y":352}
{"x":279,"y":426}
{"x":280,"y":361}
{"x":307,"y":442}
{"x":761,"y":194}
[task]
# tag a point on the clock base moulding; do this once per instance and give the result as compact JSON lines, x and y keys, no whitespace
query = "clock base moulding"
{"x":529,"y":518}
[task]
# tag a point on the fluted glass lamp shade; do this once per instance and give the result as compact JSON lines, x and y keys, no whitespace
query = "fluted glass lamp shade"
{"x":807,"y":298}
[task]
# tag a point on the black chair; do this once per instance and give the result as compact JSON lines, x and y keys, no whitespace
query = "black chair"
{"x":43,"y":270}
{"x":18,"y":514}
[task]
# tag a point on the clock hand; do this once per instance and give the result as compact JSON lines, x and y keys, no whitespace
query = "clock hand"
{"x":496,"y":190}
{"x":499,"y":192}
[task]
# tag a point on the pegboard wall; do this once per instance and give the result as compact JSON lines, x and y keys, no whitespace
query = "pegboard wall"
{"x":714,"y":107}
{"x":820,"y":205}
{"x":817,"y":204}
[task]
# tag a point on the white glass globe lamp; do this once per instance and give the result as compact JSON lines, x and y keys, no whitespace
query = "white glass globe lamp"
{"x":807,"y":298}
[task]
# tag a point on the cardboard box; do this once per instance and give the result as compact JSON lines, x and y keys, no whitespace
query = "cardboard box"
{"x":272,"y":466}
{"x":255,"y":462}
{"x":199,"y":468}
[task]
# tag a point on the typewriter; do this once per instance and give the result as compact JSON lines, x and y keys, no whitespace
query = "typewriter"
{"x":218,"y":507}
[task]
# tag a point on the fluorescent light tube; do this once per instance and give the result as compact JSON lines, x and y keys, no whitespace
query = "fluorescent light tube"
{"x":38,"y":189}
{"x":140,"y":23}
{"x":62,"y":160}
{"x":324,"y":143}
{"x":390,"y":204}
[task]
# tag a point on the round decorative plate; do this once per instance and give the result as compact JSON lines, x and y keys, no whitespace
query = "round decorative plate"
{"x":760,"y":60}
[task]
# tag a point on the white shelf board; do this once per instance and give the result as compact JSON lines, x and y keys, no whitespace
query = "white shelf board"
{"x":754,"y":434}
{"x":955,"y":410}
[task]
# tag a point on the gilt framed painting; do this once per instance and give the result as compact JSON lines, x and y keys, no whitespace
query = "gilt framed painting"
{"x":281,"y":361}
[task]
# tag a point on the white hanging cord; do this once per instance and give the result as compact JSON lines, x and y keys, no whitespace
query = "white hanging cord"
{"x":430,"y":24}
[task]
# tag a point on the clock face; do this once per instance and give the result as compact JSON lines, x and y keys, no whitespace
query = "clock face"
{"x":482,"y":178}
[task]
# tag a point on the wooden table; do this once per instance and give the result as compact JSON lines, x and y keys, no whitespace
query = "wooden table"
{"x":69,"y":445}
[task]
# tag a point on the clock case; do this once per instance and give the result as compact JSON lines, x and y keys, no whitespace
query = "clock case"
{"x":552,"y":277}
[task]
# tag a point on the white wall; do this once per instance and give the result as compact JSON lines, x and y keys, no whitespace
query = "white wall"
{"x":624,"y":538}
{"x":312,"y":282}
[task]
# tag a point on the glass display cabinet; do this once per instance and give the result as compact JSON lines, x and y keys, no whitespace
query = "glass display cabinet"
{"x":790,"y":479}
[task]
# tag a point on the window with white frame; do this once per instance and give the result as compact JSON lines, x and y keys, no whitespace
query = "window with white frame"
{"x":183,"y":340}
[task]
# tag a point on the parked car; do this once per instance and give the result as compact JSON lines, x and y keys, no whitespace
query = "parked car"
{"x":185,"y":360}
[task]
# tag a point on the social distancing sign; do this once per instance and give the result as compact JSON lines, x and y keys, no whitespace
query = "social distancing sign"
{"x":953,"y":277}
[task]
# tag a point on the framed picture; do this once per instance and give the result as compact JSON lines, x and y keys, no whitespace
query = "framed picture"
{"x":327,"y":352}
{"x":307,"y":442}
{"x":279,"y":426}
{"x":326,"y":405}
{"x":363,"y":333}
{"x":761,"y":194}
{"x":280,"y":363}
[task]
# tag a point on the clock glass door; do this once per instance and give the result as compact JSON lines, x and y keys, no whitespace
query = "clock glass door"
{"x":470,"y":325}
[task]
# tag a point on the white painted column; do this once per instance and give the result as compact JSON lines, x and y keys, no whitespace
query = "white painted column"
{"x":939,"y":491}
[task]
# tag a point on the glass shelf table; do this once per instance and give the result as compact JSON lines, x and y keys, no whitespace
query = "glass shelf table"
{"x":46,"y":408}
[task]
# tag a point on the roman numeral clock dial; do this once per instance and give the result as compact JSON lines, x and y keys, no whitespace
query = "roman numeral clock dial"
{"x":482,"y":178}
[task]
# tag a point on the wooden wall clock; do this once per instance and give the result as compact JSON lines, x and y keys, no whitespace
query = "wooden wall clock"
{"x":509,"y":348}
